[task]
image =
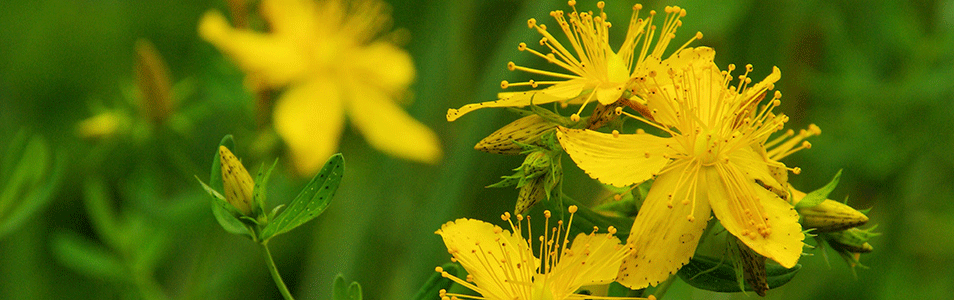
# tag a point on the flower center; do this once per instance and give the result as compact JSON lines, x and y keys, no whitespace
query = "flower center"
{"x":706,"y":147}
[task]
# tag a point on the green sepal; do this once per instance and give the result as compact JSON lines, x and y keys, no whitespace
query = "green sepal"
{"x":261,"y":186}
{"x":271,"y":215}
{"x":436,"y":282}
{"x":341,"y":290}
{"x":818,"y":196}
{"x":225,"y":213}
{"x":721,"y":276}
{"x":312,"y":200}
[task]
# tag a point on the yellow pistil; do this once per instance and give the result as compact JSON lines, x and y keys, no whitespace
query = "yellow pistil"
{"x":710,"y":163}
{"x":591,"y":69}
{"x":502,"y":264}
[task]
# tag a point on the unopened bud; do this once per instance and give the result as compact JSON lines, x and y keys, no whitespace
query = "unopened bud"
{"x":236,"y":181}
{"x":828,"y":216}
{"x":536,"y":164}
{"x":152,"y":79}
{"x":852,"y":240}
{"x":526,"y":130}
{"x":531,"y":193}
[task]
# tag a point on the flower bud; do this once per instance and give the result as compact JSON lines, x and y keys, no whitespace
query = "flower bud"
{"x":852,"y":240}
{"x":236,"y":181}
{"x":531,"y":193}
{"x":152,"y":79}
{"x":536,"y":164}
{"x":829,"y":215}
{"x":507,"y":139}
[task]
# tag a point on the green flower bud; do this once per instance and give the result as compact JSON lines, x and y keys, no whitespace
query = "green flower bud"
{"x":536,"y":164}
{"x":851,"y":240}
{"x":510,"y":138}
{"x":829,"y":215}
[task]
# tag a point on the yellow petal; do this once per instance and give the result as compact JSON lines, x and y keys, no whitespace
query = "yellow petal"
{"x":619,"y":161}
{"x":663,"y":238}
{"x":592,"y":259}
{"x":661,"y":101}
{"x":309,"y":118}
{"x":608,"y":93}
{"x":559,"y":92}
{"x":755,"y":166}
{"x":277,"y":60}
{"x":472,"y":242}
{"x":292,"y":19}
{"x":741,"y":205}
{"x":385,"y":65}
{"x":389,"y":128}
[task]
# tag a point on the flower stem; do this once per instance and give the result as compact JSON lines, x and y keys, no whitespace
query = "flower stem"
{"x":274,"y":270}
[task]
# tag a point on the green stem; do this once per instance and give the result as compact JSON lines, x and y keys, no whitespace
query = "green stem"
{"x":274,"y":270}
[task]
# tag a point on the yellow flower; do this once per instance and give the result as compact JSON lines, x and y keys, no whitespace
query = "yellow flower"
{"x":328,"y":58}
{"x":594,"y":71}
{"x":713,"y":161}
{"x":503,"y":266}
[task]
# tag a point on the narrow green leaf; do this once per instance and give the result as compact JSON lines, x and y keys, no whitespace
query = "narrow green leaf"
{"x":36,"y":196}
{"x":818,"y":196}
{"x":215,"y":176}
{"x":87,"y":257}
{"x":312,"y":200}
{"x":12,"y":153}
{"x":720,"y":276}
{"x":436,"y":282}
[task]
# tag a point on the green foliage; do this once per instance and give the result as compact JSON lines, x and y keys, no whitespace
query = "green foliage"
{"x":309,"y":203}
{"x":816,"y":197}
{"x":720,"y":276}
{"x":29,"y":177}
{"x":312,"y":200}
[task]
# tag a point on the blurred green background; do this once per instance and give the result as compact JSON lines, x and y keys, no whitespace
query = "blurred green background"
{"x":877,"y":77}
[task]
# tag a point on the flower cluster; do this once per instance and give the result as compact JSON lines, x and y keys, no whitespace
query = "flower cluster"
{"x":704,"y":141}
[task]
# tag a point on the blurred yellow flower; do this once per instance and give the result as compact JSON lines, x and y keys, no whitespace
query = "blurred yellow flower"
{"x":595,"y":71}
{"x":503,"y":266}
{"x":712,"y":162}
{"x":329,"y":59}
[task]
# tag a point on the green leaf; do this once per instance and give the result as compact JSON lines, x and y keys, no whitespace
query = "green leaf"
{"x":225,"y":213}
{"x":818,"y":196}
{"x":436,"y":282}
{"x":312,"y":200}
{"x":23,"y":197}
{"x":215,"y":176}
{"x":720,"y":276}
{"x":87,"y":257}
{"x":341,"y":290}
